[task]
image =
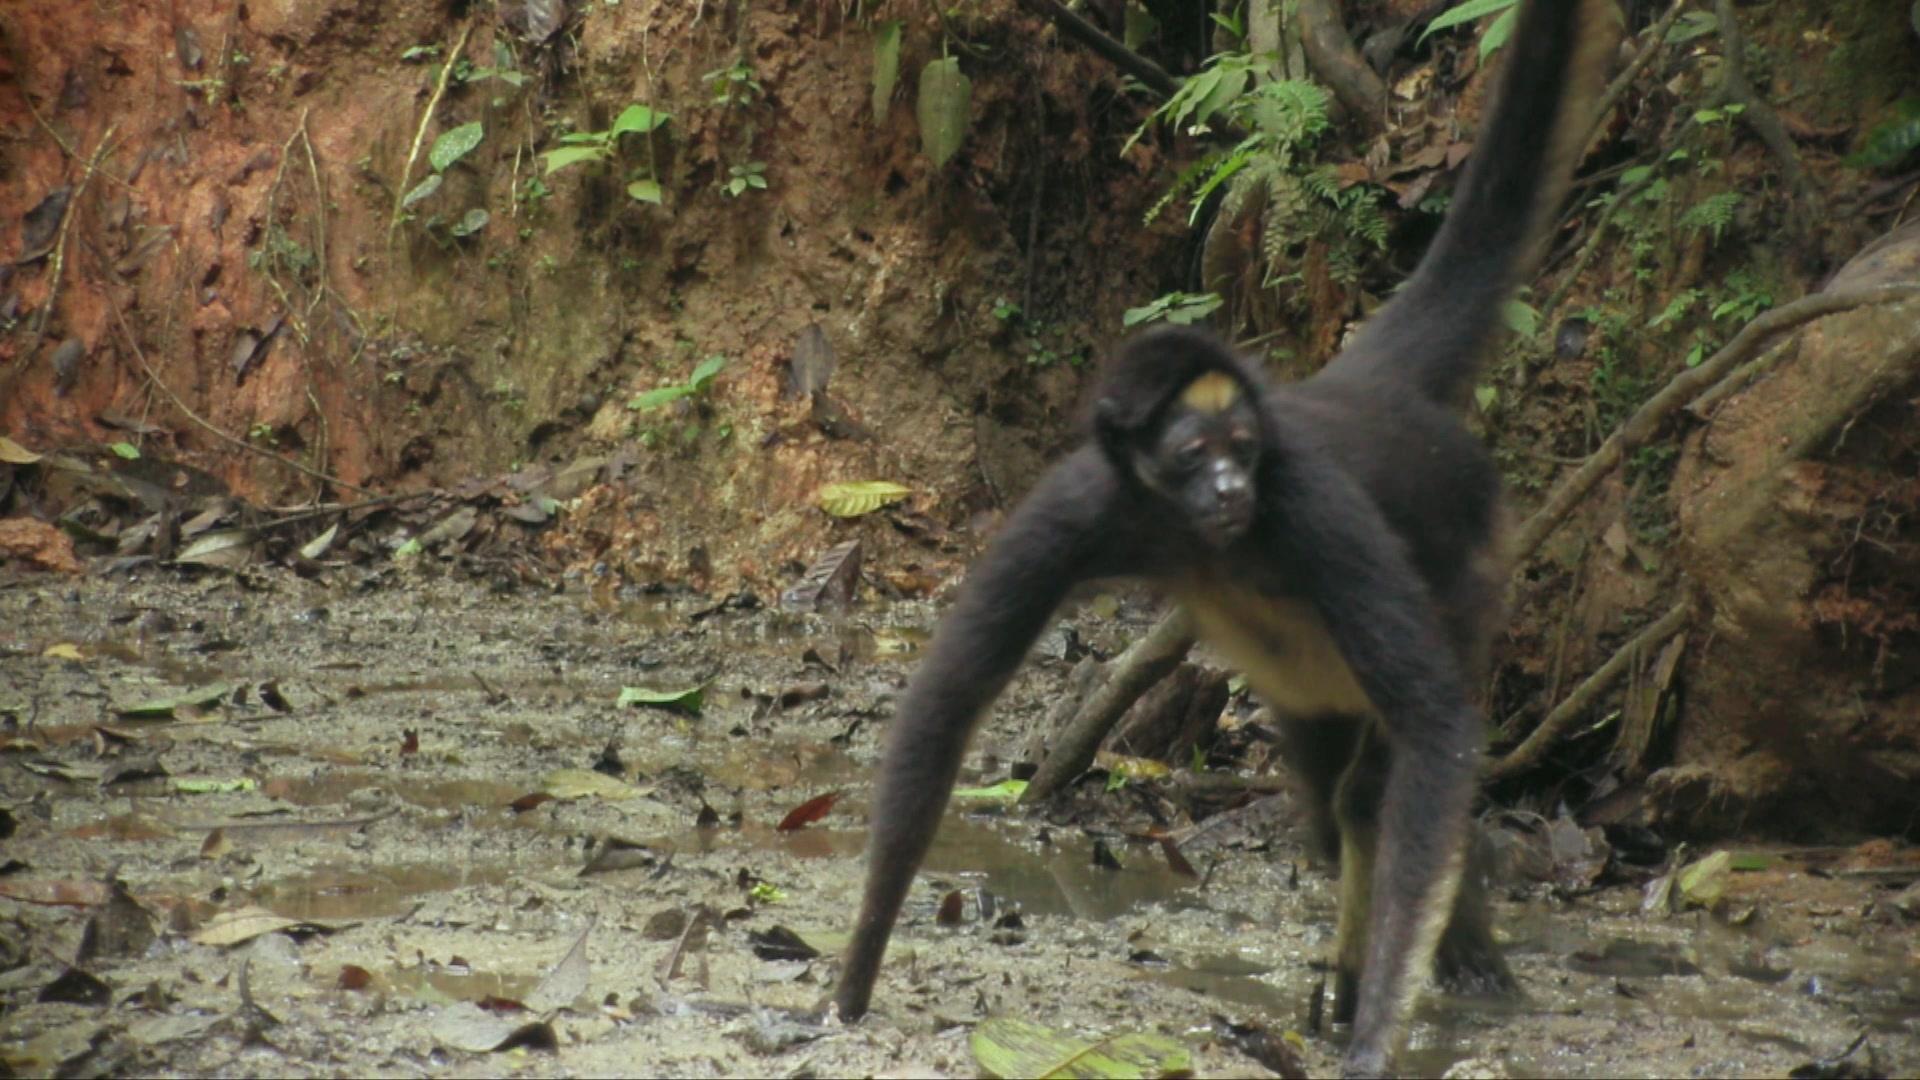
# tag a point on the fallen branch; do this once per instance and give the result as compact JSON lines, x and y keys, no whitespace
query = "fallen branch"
{"x":1640,"y":428}
{"x":1158,"y":652}
{"x":1535,"y":745}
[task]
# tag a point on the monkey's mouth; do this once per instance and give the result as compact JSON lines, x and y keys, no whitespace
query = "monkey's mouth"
{"x":1222,"y":527}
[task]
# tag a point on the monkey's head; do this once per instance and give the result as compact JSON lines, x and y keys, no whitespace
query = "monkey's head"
{"x":1177,"y":415}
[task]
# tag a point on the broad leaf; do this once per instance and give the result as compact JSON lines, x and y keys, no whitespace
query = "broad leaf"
{"x":421,"y":190}
{"x":860,"y":497}
{"x":473,"y":222}
{"x":704,"y":374}
{"x":453,"y":145}
{"x":1465,"y":13}
{"x":653,"y":399}
{"x":638,"y":118}
{"x":945,"y":96}
{"x":646,"y":191}
{"x":572,"y":155}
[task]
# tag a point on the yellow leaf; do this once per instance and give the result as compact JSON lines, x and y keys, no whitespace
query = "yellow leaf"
{"x":65,"y":650}
{"x":860,"y":497}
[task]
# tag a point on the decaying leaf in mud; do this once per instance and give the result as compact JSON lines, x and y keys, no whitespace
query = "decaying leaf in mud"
{"x":780,"y":943}
{"x":319,"y":545}
{"x":829,"y":582}
{"x":1704,"y":883}
{"x":569,"y":980}
{"x":687,"y":701}
{"x":244,"y":924}
{"x":1009,"y":1047}
{"x":618,"y":854}
{"x":466,"y":1026}
{"x":226,"y":549}
{"x":808,"y":812}
{"x":12,"y":453}
{"x":587,"y":784}
{"x":204,"y":697}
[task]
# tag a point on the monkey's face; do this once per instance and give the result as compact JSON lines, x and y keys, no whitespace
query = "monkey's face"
{"x":1204,"y":463}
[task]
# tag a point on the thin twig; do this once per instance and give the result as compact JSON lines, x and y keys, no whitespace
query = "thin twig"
{"x":133,"y":346}
{"x":59,"y":261}
{"x":1535,"y":745}
{"x":420,"y":134}
{"x":1645,"y":422}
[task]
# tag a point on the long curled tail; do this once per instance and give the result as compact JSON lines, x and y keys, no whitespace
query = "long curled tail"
{"x":1434,"y":330}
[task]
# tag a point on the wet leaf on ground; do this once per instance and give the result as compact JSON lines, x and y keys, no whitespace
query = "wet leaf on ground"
{"x":780,"y":943}
{"x":76,"y":987}
{"x":585,"y":784}
{"x":808,"y":812}
{"x":1007,"y":791}
{"x":687,"y":701}
{"x":164,"y":708}
{"x":245,"y":924}
{"x":466,"y":1026}
{"x":569,"y":980}
{"x":617,"y":854}
{"x":1009,"y":1047}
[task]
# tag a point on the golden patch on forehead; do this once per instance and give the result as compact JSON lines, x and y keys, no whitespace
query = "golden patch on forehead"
{"x":1213,"y":392}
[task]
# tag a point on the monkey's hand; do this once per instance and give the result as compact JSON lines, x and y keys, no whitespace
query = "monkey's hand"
{"x":1068,"y":530}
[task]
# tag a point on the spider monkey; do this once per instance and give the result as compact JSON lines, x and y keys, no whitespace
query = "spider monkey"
{"x":1333,"y":538}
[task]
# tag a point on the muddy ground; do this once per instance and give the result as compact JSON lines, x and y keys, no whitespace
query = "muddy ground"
{"x":375,"y":808}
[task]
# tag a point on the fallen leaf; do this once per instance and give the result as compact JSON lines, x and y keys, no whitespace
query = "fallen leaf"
{"x":808,"y":812}
{"x":1008,"y":1047}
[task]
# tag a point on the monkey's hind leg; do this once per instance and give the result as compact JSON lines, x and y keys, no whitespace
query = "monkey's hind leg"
{"x":1467,"y":960}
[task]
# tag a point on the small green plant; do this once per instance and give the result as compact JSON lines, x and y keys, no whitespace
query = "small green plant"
{"x":261,"y":432}
{"x":503,"y":68}
{"x":1467,"y":11}
{"x":508,"y":395}
{"x":533,"y":195}
{"x":744,"y":178}
{"x":1005,"y":310}
{"x":1893,"y":140}
{"x":452,"y":145}
{"x":598,"y":147}
{"x":733,"y":87}
{"x":695,"y":386}
{"x":1179,"y":308}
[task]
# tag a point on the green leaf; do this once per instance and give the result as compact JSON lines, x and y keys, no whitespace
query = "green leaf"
{"x":1005,"y":791}
{"x":1521,"y":317}
{"x":653,"y":399}
{"x":646,"y":191}
{"x":188,"y":785}
{"x":161,"y":708}
{"x":1009,"y":1047}
{"x":573,"y":155}
{"x":473,"y":222}
{"x":1703,"y":883}
{"x":1486,"y":397}
{"x":945,"y":97}
{"x":1749,"y":861}
{"x":411,"y":549}
{"x":638,"y":118}
{"x":1498,"y":34}
{"x":703,"y":374}
{"x":453,"y":145}
{"x":886,"y":66}
{"x":860,"y":497}
{"x":686,"y":701}
{"x":126,"y":450}
{"x":1465,"y":12}
{"x":421,"y":190}
{"x":586,"y":138}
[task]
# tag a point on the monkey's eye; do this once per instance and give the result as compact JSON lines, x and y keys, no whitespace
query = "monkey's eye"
{"x":1191,"y":455}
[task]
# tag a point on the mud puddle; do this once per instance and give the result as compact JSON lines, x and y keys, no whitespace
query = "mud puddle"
{"x":439,"y":808}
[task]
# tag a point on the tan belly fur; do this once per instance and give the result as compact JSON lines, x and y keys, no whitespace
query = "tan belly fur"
{"x":1282,"y":647}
